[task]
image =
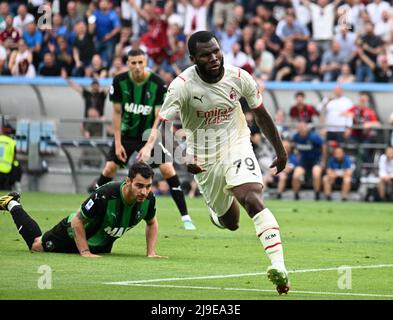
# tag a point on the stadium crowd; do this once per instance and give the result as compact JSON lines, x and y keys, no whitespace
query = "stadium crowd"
{"x":284,"y":40}
{"x":295,"y":40}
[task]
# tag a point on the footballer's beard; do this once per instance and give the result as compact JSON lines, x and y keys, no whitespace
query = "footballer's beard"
{"x":140,"y":196}
{"x":138,"y":75}
{"x":211,"y":76}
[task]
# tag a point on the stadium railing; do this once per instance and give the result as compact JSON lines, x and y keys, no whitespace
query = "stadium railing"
{"x":50,"y":98}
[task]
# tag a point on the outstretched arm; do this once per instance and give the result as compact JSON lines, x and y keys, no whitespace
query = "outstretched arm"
{"x":73,"y":84}
{"x":269,"y":129}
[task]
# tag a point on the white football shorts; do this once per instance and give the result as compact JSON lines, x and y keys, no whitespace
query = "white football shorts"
{"x":216,"y":182}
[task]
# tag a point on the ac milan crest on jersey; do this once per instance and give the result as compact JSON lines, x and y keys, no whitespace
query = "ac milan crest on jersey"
{"x":232,"y":95}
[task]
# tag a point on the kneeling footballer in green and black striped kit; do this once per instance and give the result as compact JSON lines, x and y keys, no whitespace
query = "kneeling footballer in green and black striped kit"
{"x":137,"y":96}
{"x":104,"y":217}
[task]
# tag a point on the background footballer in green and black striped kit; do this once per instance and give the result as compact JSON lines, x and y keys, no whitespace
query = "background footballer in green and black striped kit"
{"x":138,"y":109}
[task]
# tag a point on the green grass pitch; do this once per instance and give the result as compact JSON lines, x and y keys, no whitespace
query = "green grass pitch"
{"x":209,"y":263}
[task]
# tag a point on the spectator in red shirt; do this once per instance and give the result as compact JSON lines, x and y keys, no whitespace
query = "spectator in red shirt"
{"x":365,"y":117}
{"x":155,"y":39}
{"x":9,"y":36}
{"x":302,"y":112}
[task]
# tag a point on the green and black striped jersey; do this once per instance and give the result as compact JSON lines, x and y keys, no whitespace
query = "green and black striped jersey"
{"x":138,"y":102}
{"x":109,"y":217}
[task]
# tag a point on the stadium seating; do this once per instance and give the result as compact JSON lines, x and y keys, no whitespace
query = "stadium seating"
{"x":60,"y":108}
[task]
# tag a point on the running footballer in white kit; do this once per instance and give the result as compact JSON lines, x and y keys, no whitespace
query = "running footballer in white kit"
{"x":226,"y":170}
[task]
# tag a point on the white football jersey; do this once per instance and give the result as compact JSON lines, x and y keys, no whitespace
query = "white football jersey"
{"x":211,"y":113}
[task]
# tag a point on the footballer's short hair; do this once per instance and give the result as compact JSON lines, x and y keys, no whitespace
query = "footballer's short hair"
{"x":200,"y":36}
{"x":136,"y":52}
{"x":142,"y":168}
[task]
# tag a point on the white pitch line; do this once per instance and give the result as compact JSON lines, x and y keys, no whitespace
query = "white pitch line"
{"x":125,"y":283}
{"x":265,"y":290}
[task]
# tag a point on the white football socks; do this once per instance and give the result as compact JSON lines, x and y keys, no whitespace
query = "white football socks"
{"x":267,"y":230}
{"x":186,"y":218}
